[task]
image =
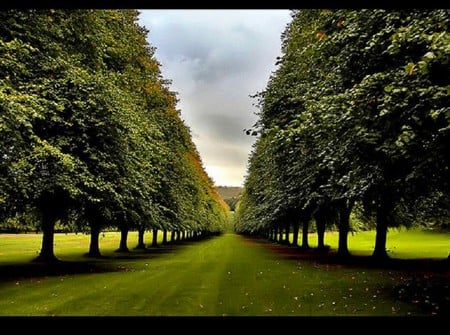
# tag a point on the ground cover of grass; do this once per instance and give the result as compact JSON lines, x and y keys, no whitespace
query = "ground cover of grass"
{"x":228,"y":275}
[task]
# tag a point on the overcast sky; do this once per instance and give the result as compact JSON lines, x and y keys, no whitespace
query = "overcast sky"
{"x":216,"y":59}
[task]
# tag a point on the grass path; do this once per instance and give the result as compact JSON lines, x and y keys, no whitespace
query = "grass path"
{"x":223,"y":276}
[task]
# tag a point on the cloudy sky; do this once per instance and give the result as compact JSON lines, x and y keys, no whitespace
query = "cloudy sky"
{"x":216,"y":59}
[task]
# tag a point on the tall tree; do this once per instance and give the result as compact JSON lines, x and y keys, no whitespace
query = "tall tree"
{"x":89,"y":125}
{"x":357,"y":102}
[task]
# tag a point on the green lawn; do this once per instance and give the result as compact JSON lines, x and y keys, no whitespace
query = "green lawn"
{"x":401,"y":243}
{"x":226,"y":275}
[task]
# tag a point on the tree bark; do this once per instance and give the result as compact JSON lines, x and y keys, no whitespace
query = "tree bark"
{"x":320,"y":225}
{"x":154,"y":237}
{"x":379,"y":251}
{"x":123,"y":240}
{"x":305,"y":244}
{"x":141,"y":233}
{"x":47,"y":254}
{"x":94,"y":245}
{"x":296,"y":228}
{"x":164,"y":241}
{"x":286,"y":237}
{"x":344,"y":227}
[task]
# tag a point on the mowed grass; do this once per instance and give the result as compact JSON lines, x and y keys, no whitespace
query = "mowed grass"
{"x":401,"y":243}
{"x":229,"y":275}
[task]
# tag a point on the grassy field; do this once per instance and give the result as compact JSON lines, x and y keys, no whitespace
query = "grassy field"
{"x":401,"y":243}
{"x":229,"y":275}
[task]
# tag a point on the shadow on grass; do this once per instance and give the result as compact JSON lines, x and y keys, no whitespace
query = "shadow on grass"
{"x":107,"y":262}
{"x":330,"y":257}
{"x":422,"y":282}
{"x":33,"y":269}
{"x":152,"y":252}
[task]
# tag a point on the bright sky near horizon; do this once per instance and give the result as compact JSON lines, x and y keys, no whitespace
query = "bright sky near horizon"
{"x":216,"y":59}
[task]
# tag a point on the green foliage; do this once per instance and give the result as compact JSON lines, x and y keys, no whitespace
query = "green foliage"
{"x":231,"y":195}
{"x":356,"y":111}
{"x":89,"y":128}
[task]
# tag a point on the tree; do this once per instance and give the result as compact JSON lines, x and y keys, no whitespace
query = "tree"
{"x":352,"y":112}
{"x":89,"y":126}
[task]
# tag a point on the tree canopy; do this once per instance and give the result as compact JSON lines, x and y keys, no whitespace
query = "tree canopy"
{"x":356,"y":113}
{"x":89,"y":130}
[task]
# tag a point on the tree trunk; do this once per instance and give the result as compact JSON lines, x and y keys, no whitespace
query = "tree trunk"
{"x":177,"y":235}
{"x":47,"y":254}
{"x":123,"y":240}
{"x":286,"y":238}
{"x":280,"y":235}
{"x":320,"y":225}
{"x":172,"y":236}
{"x":183,"y":235}
{"x":305,"y":244}
{"x":296,"y":228}
{"x":164,"y":241}
{"x":94,"y":246}
{"x":344,"y":227}
{"x":379,"y":251}
{"x":154,"y":237}
{"x":141,"y":233}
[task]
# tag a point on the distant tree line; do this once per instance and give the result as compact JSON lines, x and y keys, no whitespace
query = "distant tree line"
{"x":90,"y":137}
{"x":354,"y":121}
{"x":230,"y":194}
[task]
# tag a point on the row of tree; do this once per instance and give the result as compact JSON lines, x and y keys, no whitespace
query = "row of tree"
{"x":356,"y":119}
{"x":90,"y":136}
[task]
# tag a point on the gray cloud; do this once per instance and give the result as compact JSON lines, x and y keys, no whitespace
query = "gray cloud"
{"x":226,"y":127}
{"x":187,"y":47}
{"x":216,"y":59}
